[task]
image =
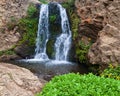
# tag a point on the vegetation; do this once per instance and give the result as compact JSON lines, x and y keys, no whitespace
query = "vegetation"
{"x":82,"y":50}
{"x":53,"y":18}
{"x":7,"y":52}
{"x":81,"y":85}
{"x":28,"y":26}
{"x":112,"y":72}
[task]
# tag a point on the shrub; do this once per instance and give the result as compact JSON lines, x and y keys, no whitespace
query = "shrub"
{"x":112,"y":72}
{"x":81,"y":85}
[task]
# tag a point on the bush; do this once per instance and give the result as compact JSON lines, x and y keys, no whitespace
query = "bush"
{"x":112,"y":72}
{"x":82,"y":50}
{"x":81,"y":85}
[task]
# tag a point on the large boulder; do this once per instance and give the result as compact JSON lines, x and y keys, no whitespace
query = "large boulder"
{"x":107,"y":47}
{"x":17,"y":81}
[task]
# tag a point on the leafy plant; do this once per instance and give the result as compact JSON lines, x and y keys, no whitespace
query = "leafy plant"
{"x":112,"y":72}
{"x":82,"y":50}
{"x":31,"y":12}
{"x":29,"y":27}
{"x":81,"y":85}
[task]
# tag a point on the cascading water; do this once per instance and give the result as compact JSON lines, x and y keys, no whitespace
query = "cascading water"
{"x":43,"y":34}
{"x":59,"y":40}
{"x":62,"y":42}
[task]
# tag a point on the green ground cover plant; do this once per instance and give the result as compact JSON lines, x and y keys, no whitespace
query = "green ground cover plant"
{"x":81,"y":85}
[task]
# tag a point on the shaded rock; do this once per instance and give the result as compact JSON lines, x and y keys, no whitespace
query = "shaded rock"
{"x":107,"y":47}
{"x":24,"y":50}
{"x":6,"y":58}
{"x":17,"y":81}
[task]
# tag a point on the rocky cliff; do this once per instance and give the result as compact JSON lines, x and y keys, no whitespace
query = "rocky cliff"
{"x":100,"y":22}
{"x":10,"y":12}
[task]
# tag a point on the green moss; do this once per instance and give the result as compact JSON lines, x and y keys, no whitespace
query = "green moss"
{"x":7,"y":52}
{"x":52,"y":18}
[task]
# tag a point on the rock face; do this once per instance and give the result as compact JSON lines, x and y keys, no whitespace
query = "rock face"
{"x":17,"y":81}
{"x":12,"y":9}
{"x":100,"y":22}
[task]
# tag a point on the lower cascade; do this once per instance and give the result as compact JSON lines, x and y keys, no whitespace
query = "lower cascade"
{"x":62,"y":42}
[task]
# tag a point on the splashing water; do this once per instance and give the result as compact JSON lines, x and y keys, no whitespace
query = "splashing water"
{"x":63,"y":41}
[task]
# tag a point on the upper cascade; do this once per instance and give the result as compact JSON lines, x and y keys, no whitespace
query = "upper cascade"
{"x":62,"y":42}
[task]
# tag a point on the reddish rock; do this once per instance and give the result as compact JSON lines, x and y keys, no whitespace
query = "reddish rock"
{"x":100,"y":21}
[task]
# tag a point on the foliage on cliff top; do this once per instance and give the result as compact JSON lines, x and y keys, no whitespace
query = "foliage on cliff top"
{"x":81,"y":85}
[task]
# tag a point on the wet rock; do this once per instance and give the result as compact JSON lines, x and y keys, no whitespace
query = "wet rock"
{"x":7,"y":58}
{"x":25,"y":51}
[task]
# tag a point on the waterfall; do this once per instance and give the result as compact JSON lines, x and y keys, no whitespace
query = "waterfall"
{"x":63,"y":41}
{"x":42,"y":34}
